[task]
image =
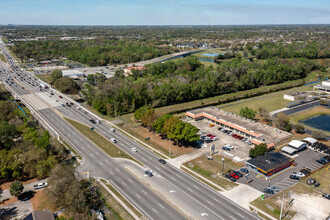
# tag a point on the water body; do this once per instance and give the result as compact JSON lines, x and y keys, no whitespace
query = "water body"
{"x":211,"y":54}
{"x":321,"y":122}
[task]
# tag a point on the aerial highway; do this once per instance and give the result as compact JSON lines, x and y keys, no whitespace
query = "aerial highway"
{"x":182,"y":196}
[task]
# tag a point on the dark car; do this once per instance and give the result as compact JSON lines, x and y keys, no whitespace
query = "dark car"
{"x":326,"y":195}
{"x":230,"y":177}
{"x":93,"y":121}
{"x":60,"y":97}
{"x":71,"y":103}
{"x":162,"y":161}
{"x":244,"y":170}
{"x":317,"y":184}
{"x":268,"y":191}
{"x":323,"y":161}
{"x":148,"y":173}
{"x":238,"y":173}
{"x":225,"y":148}
{"x":294,"y":177}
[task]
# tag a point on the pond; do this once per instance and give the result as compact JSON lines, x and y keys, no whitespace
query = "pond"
{"x":321,"y":122}
{"x":211,"y":54}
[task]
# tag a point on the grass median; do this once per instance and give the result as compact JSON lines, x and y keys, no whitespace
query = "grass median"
{"x":100,"y":141}
{"x":2,"y":58}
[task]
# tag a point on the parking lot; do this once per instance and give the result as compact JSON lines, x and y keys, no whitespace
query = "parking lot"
{"x":241,"y":148}
{"x":281,"y":180}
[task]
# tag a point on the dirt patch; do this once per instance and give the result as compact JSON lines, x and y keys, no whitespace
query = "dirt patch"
{"x":156,"y":141}
{"x":6,"y":185}
{"x":11,"y":200}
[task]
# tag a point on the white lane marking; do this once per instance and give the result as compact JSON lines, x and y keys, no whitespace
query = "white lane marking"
{"x":232,"y":217}
{"x":143,"y":159}
{"x":161,"y":206}
{"x":154,"y":210}
{"x":130,"y":180}
{"x":195,"y":187}
{"x":117,"y":169}
{"x":189,"y":189}
{"x":204,"y":214}
{"x":157,"y":168}
{"x":239,"y":215}
{"x":172,"y":191}
{"x":172,"y":178}
{"x":137,"y":195}
{"x":216,"y":200}
{"x":101,"y":163}
{"x":111,"y":172}
{"x":107,"y":161}
{"x":210,"y":203}
{"x":123,"y":183}
{"x":144,"y":192}
{"x":97,"y":153}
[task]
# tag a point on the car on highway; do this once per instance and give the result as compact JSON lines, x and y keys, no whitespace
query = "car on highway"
{"x":56,"y":100}
{"x":148,"y":173}
{"x":112,"y":129}
{"x":98,"y":121}
{"x":60,"y":97}
{"x":92,"y":121}
{"x":294,"y":177}
{"x":134,"y":149}
{"x":268,"y":191}
{"x":22,"y":87}
{"x":162,"y":161}
{"x":62,"y":105}
{"x":298,"y":174}
{"x":244,"y":170}
{"x":78,"y":108}
{"x":225,"y":148}
{"x":40,"y":185}
{"x":113,"y":140}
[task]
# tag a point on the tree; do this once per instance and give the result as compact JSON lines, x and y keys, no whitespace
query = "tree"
{"x":300,"y":129}
{"x":258,"y":150}
{"x":148,"y":118}
{"x":158,"y":125}
{"x":169,"y":123}
{"x":7,"y":133}
{"x":247,"y":113}
{"x":16,"y":188}
{"x":281,"y":121}
{"x":99,"y":78}
{"x":264,"y":114}
{"x":319,"y":135}
{"x":55,"y":75}
{"x":91,"y":79}
{"x":67,"y":85}
{"x":139,"y":113}
{"x":189,"y":132}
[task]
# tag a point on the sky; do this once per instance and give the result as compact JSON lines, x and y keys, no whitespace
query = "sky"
{"x":164,"y":12}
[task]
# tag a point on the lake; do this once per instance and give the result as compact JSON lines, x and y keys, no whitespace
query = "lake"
{"x":211,"y":54}
{"x":321,"y":122}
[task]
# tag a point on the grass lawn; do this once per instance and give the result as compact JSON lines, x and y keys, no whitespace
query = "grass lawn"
{"x":210,"y":169}
{"x":322,"y":176}
{"x":2,"y":58}
{"x":295,"y":118}
{"x":45,"y":77}
{"x":270,"y":102}
{"x":275,"y":201}
{"x":100,"y":141}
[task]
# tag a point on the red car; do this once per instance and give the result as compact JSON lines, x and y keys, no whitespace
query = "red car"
{"x":234,"y":175}
{"x":60,"y":97}
{"x":234,"y":135}
{"x":240,"y":137}
{"x":209,"y":135}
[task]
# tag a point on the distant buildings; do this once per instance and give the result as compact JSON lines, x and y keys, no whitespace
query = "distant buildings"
{"x":128,"y":70}
{"x":74,"y":74}
{"x":324,"y":87}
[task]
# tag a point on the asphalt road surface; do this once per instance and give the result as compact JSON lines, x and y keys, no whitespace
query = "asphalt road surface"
{"x":193,"y":198}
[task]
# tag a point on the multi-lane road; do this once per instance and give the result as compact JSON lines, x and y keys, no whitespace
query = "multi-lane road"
{"x":172,"y":194}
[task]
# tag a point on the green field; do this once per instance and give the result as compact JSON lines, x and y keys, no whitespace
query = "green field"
{"x":100,"y":141}
{"x":2,"y":58}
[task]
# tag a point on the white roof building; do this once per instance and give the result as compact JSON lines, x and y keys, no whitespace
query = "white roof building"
{"x":289,"y":150}
{"x":298,"y":145}
{"x":310,"y":141}
{"x":72,"y":73}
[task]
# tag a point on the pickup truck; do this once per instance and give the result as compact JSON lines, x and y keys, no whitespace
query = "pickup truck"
{"x":39,"y":186}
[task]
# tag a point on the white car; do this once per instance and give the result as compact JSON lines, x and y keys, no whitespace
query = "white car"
{"x":134,"y":149}
{"x":229,"y":146}
{"x":39,"y":186}
{"x":112,"y":129}
{"x":98,"y":121}
{"x":78,"y":107}
{"x":113,"y":140}
{"x":298,"y":174}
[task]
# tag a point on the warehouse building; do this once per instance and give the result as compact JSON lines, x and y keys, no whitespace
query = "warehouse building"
{"x":298,"y":145}
{"x":74,"y":74}
{"x":257,"y":132}
{"x":270,"y":163}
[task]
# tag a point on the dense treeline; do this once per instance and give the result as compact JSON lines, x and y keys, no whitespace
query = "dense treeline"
{"x":172,"y":82}
{"x":97,"y":52}
{"x":311,"y":50}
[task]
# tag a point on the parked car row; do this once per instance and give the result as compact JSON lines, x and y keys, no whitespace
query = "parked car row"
{"x":323,"y":148}
{"x":236,"y":136}
{"x":312,"y":181}
{"x":323,"y":160}
{"x":233,"y":175}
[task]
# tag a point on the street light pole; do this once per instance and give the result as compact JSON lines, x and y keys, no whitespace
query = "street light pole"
{"x":223,"y":165}
{"x":282,"y":206}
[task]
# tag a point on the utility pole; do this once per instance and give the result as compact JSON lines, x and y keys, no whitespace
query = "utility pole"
{"x":282,"y":206}
{"x":223,"y":165}
{"x":169,"y":152}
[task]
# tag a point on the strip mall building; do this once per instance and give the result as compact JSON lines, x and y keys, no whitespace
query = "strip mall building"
{"x":258,"y":133}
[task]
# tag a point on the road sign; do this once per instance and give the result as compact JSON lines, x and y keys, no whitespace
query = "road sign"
{"x":92,"y":128}
{"x":147,"y":138}
{"x":262,"y":196}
